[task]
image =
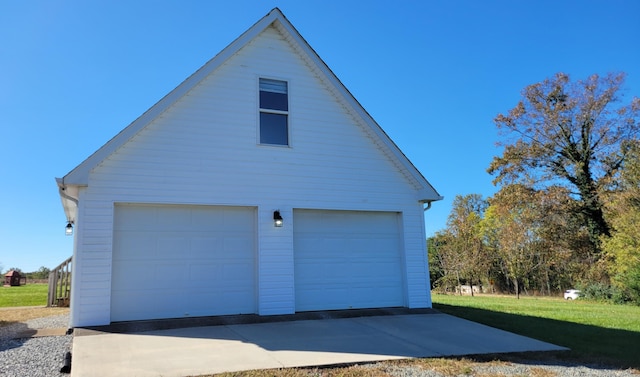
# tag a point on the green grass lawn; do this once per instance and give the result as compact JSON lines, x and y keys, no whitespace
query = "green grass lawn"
{"x":24,"y":295}
{"x":595,"y":332}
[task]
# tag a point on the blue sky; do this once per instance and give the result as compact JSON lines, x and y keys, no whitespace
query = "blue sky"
{"x":433,"y":74}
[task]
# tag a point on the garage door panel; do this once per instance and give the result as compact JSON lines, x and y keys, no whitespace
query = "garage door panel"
{"x":237,"y":272}
{"x":318,"y":248}
{"x":139,"y":275}
{"x":235,"y":219}
{"x":204,"y":272}
{"x":130,"y":276}
{"x":238,"y":247}
{"x":202,"y":221}
{"x":347,"y":259}
{"x":223,"y":247}
{"x":313,"y":273}
{"x":199,"y":303}
{"x":162,"y":306}
{"x":334,"y":297}
{"x":345,"y":222}
{"x":168,"y":245}
{"x":377,"y":242}
{"x":317,"y":271}
{"x":204,"y":247}
{"x":165,"y":270}
{"x":384,"y":298}
{"x":136,"y":245}
{"x":134,"y":221}
{"x":173,"y":218}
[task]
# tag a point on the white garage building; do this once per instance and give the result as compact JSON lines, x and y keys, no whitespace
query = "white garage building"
{"x":258,"y":185}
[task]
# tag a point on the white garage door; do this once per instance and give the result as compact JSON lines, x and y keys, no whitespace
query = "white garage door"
{"x":347,"y":259}
{"x":180,"y":261}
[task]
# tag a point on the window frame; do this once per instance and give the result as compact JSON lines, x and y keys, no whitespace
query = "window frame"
{"x":286,"y":113}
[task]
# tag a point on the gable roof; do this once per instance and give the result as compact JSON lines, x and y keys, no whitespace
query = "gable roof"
{"x":79,"y":176}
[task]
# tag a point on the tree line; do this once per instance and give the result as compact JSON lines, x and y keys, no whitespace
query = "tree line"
{"x":567,"y":210}
{"x":39,"y":274}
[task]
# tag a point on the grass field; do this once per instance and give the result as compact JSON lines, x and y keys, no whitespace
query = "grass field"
{"x":595,"y":332}
{"x":18,"y":304}
{"x":24,"y":295}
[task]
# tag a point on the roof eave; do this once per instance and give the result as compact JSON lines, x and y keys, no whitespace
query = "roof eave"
{"x":69,"y":198}
{"x":429,"y":198}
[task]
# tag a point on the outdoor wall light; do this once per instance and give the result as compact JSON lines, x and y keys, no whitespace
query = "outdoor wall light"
{"x":68,"y":230}
{"x":277,"y":219}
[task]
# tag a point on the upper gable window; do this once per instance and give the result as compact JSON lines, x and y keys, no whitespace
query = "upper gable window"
{"x":274,"y":112}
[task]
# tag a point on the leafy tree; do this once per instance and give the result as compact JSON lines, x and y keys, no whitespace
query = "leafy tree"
{"x":511,"y":224}
{"x":459,"y":251}
{"x":569,"y":133}
{"x":443,"y":264}
{"x":623,"y":248}
{"x":444,"y":257}
{"x":463,"y":225}
{"x":556,"y":238}
{"x":536,"y":245}
{"x":435,"y":267}
{"x":41,"y":273}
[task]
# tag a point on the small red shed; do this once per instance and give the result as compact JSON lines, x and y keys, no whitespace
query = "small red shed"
{"x":14,"y":279}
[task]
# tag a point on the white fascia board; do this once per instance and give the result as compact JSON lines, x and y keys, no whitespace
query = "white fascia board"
{"x":427,"y":196}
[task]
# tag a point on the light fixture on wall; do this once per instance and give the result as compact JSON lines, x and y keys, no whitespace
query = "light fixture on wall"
{"x":277,"y":219}
{"x":68,"y":230}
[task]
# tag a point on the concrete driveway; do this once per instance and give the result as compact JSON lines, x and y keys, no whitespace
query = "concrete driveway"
{"x":201,"y":350}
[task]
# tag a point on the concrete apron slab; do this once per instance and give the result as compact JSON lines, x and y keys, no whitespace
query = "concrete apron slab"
{"x":214,"y":349}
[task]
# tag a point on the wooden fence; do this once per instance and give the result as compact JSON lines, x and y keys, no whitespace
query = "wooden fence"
{"x":60,"y":285}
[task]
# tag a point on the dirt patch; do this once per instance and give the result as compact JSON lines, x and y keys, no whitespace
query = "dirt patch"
{"x":12,"y":315}
{"x":39,"y":333}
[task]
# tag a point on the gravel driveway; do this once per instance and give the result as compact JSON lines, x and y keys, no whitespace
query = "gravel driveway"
{"x":34,"y":357}
{"x":43,"y":357}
